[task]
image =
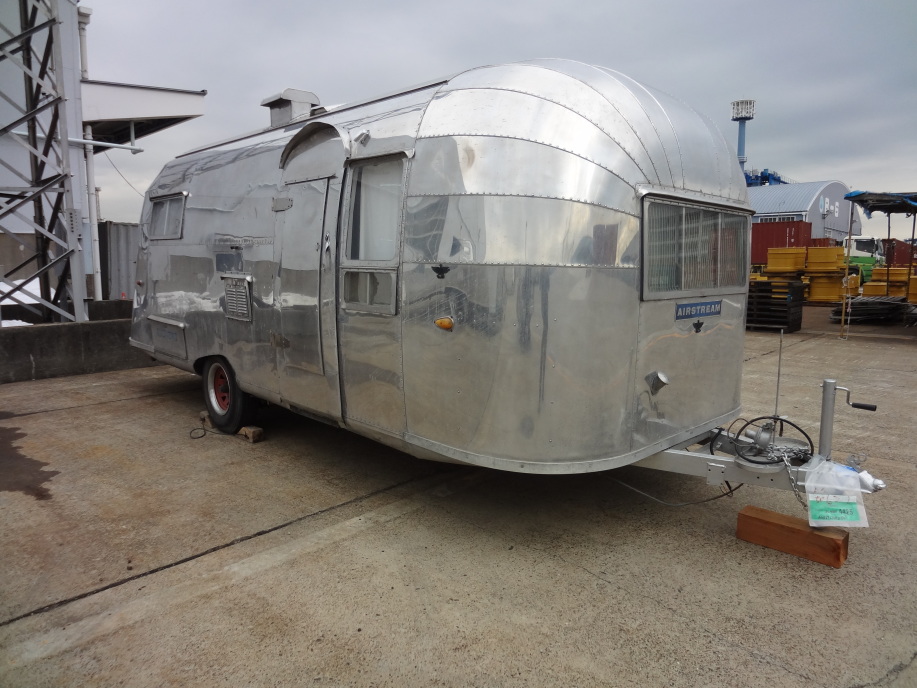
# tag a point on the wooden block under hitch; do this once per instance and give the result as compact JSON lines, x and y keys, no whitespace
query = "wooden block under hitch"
{"x":793,"y":535}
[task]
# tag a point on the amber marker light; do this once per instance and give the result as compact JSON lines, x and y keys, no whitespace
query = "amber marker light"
{"x":446,"y":323}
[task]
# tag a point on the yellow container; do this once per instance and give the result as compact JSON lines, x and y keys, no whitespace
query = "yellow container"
{"x":823,"y":289}
{"x":786,"y":259}
{"x":825,"y":258}
{"x":912,"y":291}
{"x":890,"y":275}
{"x":884,"y":289}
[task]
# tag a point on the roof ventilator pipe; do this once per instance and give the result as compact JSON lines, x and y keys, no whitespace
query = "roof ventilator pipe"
{"x":290,"y":104}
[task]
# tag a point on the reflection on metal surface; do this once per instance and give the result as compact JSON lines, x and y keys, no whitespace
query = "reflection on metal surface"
{"x":517,"y":230}
{"x":455,"y":165}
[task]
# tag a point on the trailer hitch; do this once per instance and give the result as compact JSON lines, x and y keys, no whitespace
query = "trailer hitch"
{"x":760,"y":454}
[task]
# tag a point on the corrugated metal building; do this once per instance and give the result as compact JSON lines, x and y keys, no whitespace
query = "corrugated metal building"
{"x":821,"y":203}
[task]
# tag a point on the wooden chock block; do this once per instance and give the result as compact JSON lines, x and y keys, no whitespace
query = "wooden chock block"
{"x":793,"y":535}
{"x":251,"y":433}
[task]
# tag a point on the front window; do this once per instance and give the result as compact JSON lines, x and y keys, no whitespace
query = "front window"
{"x":692,"y":249}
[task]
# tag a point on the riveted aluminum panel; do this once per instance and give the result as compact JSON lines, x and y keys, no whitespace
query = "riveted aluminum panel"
{"x":518,"y":230}
{"x":538,"y":367}
{"x":700,"y":158}
{"x":509,"y":167}
{"x":687,"y":150}
{"x":573,"y":94}
{"x":493,"y":112}
{"x":640,"y":113}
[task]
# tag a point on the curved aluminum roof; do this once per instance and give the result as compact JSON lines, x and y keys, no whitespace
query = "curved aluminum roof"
{"x":648,"y":138}
{"x":630,"y":138}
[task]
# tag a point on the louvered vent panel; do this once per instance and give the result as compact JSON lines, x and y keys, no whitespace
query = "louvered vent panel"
{"x":238,"y":299}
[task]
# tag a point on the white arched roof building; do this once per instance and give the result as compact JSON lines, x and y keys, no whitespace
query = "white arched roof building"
{"x":821,"y":203}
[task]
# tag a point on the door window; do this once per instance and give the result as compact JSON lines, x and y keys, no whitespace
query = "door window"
{"x":375,"y":210}
{"x":374,"y":223}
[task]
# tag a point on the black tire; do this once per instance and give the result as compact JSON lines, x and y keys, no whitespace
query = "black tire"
{"x":229,"y":407}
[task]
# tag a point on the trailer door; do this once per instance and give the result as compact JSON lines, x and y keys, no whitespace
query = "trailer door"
{"x":369,"y":326}
{"x":305,"y":241}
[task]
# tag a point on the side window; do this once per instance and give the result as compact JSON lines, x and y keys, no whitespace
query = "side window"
{"x":370,"y":265}
{"x":168,"y":214}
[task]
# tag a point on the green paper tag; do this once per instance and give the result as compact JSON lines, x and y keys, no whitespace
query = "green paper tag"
{"x":838,"y":508}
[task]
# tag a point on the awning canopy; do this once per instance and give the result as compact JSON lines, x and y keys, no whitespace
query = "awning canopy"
{"x":115,"y":110}
{"x":884,"y":202}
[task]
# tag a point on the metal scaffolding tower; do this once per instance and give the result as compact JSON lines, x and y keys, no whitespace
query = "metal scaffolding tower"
{"x":36,"y":195}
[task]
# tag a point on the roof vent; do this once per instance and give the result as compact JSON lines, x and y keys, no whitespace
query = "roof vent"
{"x":290,"y":104}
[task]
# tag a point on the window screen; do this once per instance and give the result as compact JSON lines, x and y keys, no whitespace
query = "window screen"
{"x":166,"y":220}
{"x":693,"y":249}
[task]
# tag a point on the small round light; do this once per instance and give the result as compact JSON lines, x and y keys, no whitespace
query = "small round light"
{"x":445,"y":323}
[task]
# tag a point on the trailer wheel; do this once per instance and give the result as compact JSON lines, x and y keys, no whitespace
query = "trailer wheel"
{"x":229,"y":407}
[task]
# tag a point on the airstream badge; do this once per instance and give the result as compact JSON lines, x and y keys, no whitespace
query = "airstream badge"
{"x":685,"y":311}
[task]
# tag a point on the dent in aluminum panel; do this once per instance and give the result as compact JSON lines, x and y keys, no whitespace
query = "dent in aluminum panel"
{"x":491,"y":112}
{"x":518,"y":230}
{"x":538,"y":367}
{"x":574,"y":94}
{"x":497,"y":166}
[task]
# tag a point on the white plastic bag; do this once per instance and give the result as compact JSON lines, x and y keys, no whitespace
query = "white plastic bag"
{"x":835,"y":496}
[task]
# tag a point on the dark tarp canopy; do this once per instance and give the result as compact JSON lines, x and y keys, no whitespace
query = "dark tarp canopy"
{"x":884,"y":202}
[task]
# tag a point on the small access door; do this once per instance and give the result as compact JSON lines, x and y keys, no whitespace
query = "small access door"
{"x":304,"y":248}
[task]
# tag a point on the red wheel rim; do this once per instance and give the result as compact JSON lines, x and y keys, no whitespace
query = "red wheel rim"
{"x":221,"y":388}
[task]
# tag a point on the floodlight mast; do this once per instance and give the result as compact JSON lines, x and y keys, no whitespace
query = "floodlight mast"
{"x":742,"y":111}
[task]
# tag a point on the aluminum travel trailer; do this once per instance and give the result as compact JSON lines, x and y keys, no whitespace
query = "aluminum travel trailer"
{"x":536,"y":267}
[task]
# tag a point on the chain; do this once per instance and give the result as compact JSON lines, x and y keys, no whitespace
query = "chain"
{"x":786,"y":455}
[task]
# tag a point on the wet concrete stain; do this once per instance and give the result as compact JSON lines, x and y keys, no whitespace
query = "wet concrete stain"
{"x":19,"y":473}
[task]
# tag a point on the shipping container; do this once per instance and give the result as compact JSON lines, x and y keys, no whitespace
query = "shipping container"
{"x":765,"y":235}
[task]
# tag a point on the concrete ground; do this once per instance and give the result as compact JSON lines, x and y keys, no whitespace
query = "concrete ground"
{"x":134,"y":554}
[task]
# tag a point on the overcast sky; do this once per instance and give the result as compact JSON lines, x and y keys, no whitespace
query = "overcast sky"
{"x":835,"y":80}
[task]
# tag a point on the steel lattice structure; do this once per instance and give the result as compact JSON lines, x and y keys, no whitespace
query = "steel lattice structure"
{"x":37,"y":193}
